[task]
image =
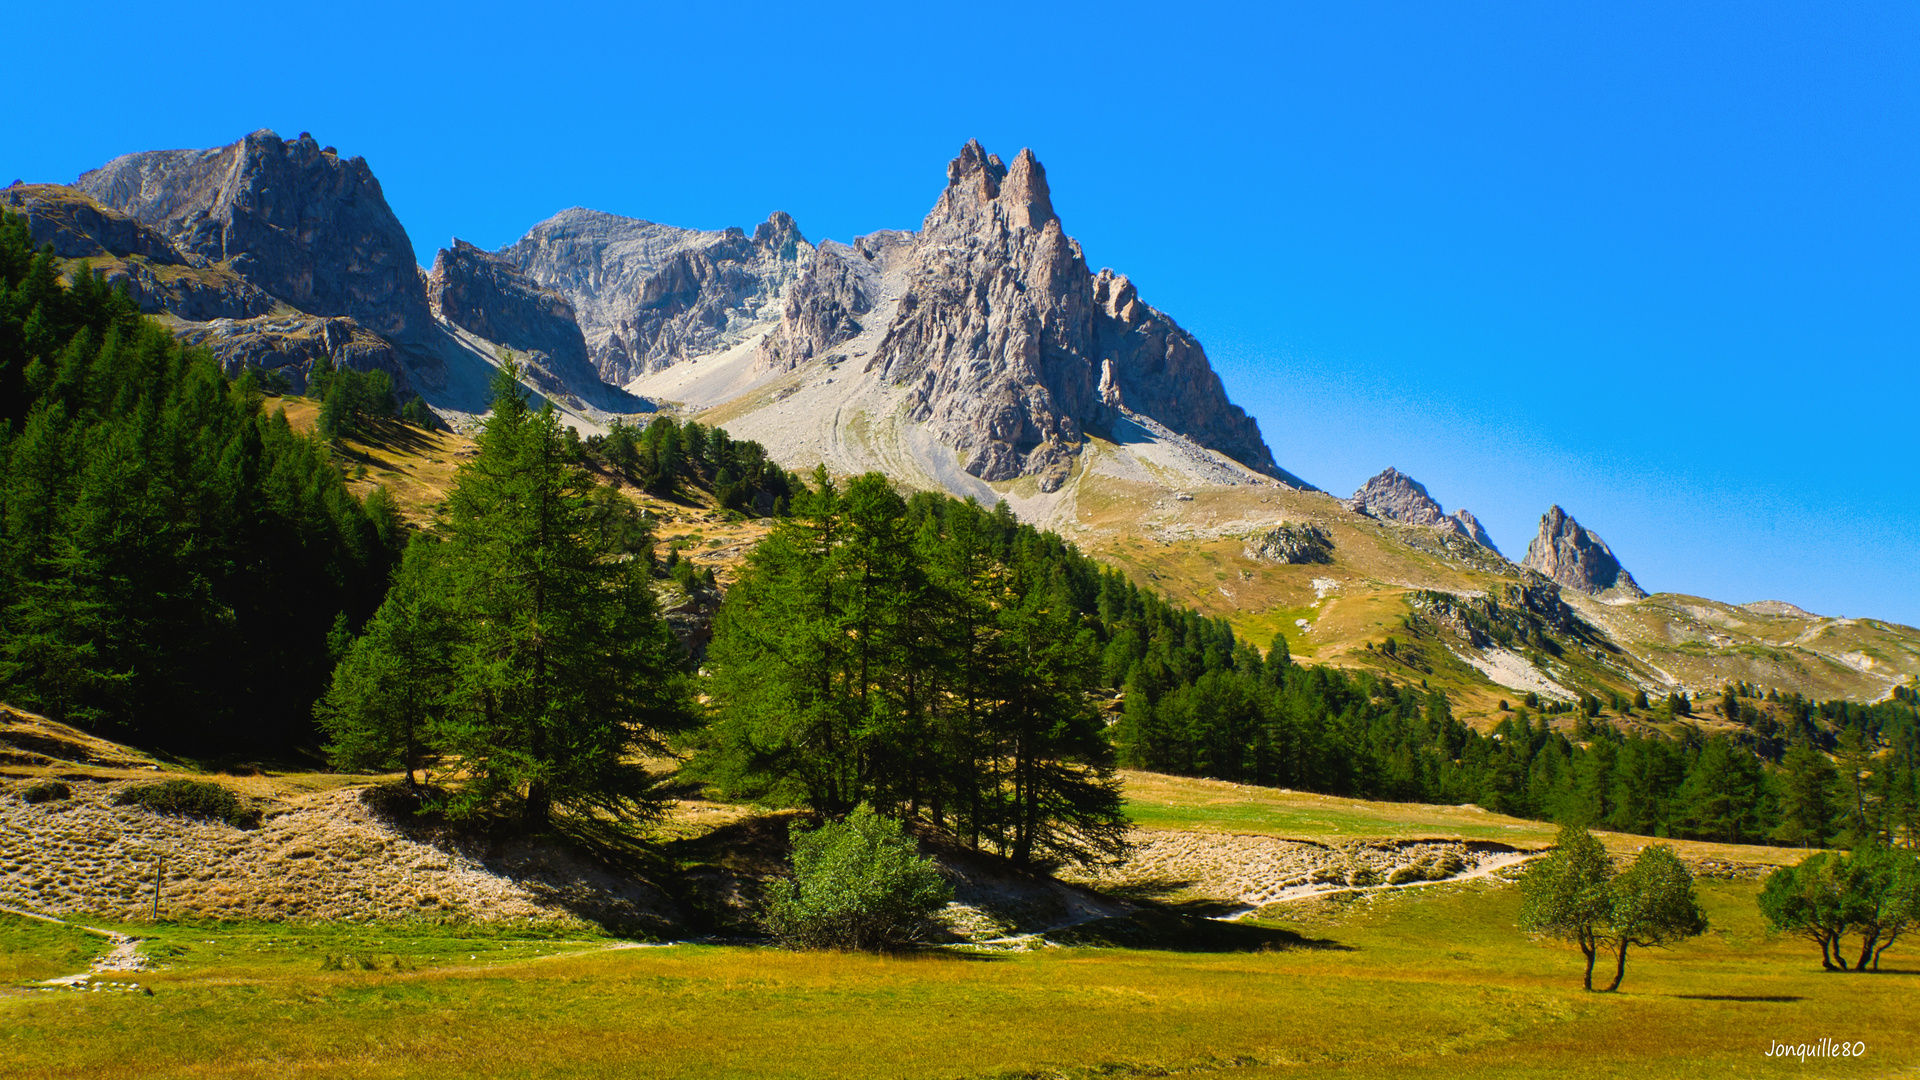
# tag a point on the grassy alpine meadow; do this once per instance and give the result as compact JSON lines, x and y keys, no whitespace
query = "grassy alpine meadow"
{"x":1400,"y":984}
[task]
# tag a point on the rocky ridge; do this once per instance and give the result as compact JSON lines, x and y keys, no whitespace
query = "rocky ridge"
{"x":648,"y":295}
{"x":491,"y":298}
{"x":1579,"y":559}
{"x":293,"y":217}
{"x":1010,"y":348}
{"x":1395,"y":496}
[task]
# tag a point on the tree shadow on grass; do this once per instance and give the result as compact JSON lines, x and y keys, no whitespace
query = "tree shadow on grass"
{"x":1170,"y":931}
{"x":1782,"y":998}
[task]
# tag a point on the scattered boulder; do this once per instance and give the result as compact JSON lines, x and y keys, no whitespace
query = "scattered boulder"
{"x":1294,"y":545}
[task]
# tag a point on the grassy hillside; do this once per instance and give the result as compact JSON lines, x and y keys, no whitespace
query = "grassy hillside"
{"x":1192,"y":543}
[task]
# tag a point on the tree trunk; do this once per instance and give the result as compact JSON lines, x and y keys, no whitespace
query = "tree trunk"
{"x":539,"y":807}
{"x":1620,"y":966}
{"x":1867,"y":941}
{"x":1591,"y":952}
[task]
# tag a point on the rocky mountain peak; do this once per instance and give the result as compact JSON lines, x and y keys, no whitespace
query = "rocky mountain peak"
{"x":649,"y":295}
{"x":1578,"y":559}
{"x":490,"y":298}
{"x":978,"y":186}
{"x":1395,"y":496}
{"x":290,"y":216}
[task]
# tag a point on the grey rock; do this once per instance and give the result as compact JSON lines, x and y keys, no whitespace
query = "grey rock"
{"x":1395,"y":496}
{"x":291,"y":217}
{"x":1295,"y":545}
{"x":291,"y":343}
{"x":1578,"y":559}
{"x":1009,"y":346}
{"x":1780,"y":608}
{"x":489,"y":297}
{"x":121,"y":250}
{"x":825,"y":307}
{"x":647,"y":295}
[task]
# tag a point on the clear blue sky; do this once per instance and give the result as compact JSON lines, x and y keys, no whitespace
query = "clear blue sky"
{"x":1659,"y":263}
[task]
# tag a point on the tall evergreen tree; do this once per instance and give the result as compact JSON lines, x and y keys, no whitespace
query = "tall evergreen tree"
{"x":550,"y":668}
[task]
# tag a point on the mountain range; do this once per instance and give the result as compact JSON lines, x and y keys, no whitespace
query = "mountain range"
{"x":981,"y":354}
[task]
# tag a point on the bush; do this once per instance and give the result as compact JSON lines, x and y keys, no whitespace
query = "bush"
{"x":191,"y":798}
{"x":857,"y":884}
{"x":51,"y":791}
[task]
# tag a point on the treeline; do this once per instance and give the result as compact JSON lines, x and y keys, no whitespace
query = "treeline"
{"x":1316,"y":729}
{"x":174,"y":562}
{"x":667,"y":455}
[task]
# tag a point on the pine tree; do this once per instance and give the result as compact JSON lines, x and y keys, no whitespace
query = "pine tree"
{"x":548,"y":668}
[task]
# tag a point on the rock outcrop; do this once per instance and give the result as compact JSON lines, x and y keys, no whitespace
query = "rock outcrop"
{"x":1010,"y":347}
{"x":159,"y":276}
{"x":1294,"y":545}
{"x":1395,"y":496}
{"x":292,"y":217}
{"x":489,"y":297}
{"x":647,"y":295}
{"x":291,"y":342}
{"x":1579,"y":559}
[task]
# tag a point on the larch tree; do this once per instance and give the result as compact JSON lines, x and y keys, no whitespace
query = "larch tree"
{"x":550,"y":670}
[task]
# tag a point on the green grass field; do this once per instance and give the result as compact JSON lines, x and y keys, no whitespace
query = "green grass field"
{"x":1407,"y":984}
{"x":1157,"y":801}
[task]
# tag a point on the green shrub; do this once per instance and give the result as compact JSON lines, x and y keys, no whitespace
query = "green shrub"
{"x":51,"y":791}
{"x":191,"y":798}
{"x":857,"y":884}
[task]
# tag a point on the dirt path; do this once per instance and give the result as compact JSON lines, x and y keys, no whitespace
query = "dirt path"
{"x":1486,"y":868}
{"x":123,"y":953}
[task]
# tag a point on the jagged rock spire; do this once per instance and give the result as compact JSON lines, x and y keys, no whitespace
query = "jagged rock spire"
{"x":1579,"y":559}
{"x":1395,"y":496}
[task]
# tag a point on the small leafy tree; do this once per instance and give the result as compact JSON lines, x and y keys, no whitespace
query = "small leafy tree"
{"x":1574,"y":894}
{"x":857,"y":884}
{"x":1874,"y":891}
{"x":1653,"y":905}
{"x":1565,"y":895}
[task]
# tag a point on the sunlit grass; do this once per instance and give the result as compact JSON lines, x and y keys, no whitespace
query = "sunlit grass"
{"x":1406,"y":984}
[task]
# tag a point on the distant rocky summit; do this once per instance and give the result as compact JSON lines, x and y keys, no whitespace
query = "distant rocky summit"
{"x":293,"y":217}
{"x":489,"y":297}
{"x":649,"y":295}
{"x":1395,"y":496}
{"x":1579,"y":559}
{"x":1012,"y":349}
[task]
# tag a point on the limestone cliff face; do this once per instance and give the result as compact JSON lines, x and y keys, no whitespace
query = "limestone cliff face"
{"x":490,"y":298}
{"x":1579,"y":559}
{"x":292,"y":217}
{"x":1395,"y":496}
{"x":828,"y":304}
{"x":1010,"y":346}
{"x":159,"y":276}
{"x":647,"y":295}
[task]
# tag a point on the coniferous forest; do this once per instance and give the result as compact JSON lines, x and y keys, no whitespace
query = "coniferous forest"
{"x":174,"y":557}
{"x":182,"y":569}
